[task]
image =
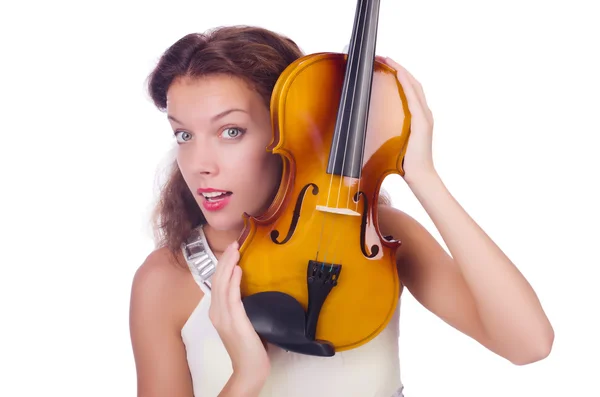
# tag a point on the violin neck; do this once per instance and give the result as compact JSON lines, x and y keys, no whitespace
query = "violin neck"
{"x":347,"y":148}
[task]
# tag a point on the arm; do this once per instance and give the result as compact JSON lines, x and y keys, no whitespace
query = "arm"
{"x":158,"y":350}
{"x":238,"y":387}
{"x":477,"y":289}
{"x":159,"y":307}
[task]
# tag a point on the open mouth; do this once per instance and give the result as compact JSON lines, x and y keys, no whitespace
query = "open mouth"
{"x":216,"y":196}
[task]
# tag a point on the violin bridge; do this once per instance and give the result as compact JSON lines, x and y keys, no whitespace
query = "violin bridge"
{"x":341,"y":211}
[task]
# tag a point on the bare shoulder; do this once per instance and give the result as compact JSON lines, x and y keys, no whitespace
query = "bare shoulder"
{"x":163,"y":295}
{"x":419,"y":254}
{"x":384,"y":212}
{"x":164,"y":283}
{"x":398,"y":224}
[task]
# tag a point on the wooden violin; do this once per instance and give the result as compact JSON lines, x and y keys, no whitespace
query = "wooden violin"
{"x":318,"y":276}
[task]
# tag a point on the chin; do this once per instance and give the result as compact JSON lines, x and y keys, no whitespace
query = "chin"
{"x":224,"y":222}
{"x":230,"y":218}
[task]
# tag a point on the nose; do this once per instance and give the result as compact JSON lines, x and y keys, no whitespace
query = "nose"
{"x":202,"y":159}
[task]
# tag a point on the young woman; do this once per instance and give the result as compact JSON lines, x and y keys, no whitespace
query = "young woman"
{"x":216,"y":89}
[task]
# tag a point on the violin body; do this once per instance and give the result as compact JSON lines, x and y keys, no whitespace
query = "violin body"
{"x":318,"y":277}
{"x":316,"y":216}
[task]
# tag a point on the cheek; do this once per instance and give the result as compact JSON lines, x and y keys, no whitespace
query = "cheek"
{"x":254,"y":167}
{"x":183,"y":167}
{"x":257,"y":169}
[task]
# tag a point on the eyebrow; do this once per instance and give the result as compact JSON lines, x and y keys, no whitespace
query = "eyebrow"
{"x":214,"y":118}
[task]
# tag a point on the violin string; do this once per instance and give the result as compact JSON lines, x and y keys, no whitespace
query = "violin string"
{"x":375,"y":10}
{"x":353,"y":146}
{"x":360,"y":38}
{"x":358,"y":186}
{"x":335,"y":152}
{"x":364,"y":32}
{"x":351,"y":61}
{"x":355,"y":140}
{"x":325,"y":214}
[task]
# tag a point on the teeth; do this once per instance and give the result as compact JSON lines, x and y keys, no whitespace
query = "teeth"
{"x":213,"y":194}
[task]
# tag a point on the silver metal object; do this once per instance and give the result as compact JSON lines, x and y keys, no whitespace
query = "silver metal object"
{"x":199,"y":257}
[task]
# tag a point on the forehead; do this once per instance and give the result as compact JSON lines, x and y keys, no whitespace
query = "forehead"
{"x":207,"y":96}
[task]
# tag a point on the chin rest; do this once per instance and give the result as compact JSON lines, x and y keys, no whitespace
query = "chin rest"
{"x":281,"y":320}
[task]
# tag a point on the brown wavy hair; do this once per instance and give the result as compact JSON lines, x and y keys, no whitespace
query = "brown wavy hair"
{"x":256,"y":55}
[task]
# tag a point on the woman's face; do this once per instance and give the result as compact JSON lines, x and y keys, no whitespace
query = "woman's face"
{"x":222,"y":128}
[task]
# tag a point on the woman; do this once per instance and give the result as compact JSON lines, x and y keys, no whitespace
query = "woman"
{"x":216,"y":89}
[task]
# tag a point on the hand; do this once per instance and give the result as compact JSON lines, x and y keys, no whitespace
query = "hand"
{"x":245,"y":348}
{"x":418,"y":158}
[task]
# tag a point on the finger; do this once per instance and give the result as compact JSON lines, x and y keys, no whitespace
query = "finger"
{"x":221,"y":281}
{"x":226,"y":263}
{"x":238,"y":311}
{"x":415,"y":90}
{"x":414,"y":102}
{"x":402,"y":69}
{"x":220,"y":268}
{"x":417,"y":86}
{"x":236,"y":306}
{"x":235,"y":297}
{"x":229,"y":260}
{"x":420,"y":92}
{"x":397,"y":66}
{"x":233,"y":293}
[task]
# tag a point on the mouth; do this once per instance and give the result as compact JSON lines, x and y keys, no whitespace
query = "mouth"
{"x":215,"y":196}
{"x":214,"y":200}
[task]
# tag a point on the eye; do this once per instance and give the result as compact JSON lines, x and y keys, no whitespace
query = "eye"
{"x":182,"y":136}
{"x":232,"y":133}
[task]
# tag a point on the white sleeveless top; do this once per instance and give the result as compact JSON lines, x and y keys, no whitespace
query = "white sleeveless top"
{"x":370,"y":370}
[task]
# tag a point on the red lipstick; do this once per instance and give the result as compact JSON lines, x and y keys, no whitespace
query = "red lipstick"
{"x":214,"y":199}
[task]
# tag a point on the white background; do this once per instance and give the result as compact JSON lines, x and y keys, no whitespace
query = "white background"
{"x":514,"y":89}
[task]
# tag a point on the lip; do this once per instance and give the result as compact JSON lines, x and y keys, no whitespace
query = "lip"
{"x":213,"y":205}
{"x":209,"y":190}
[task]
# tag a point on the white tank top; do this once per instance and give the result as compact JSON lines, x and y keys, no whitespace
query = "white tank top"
{"x":372,"y":369}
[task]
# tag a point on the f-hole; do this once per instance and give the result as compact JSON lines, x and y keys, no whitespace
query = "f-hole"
{"x":363,"y":227}
{"x":296,"y":215}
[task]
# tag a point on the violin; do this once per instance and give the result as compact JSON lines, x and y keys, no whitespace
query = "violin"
{"x":318,"y":277}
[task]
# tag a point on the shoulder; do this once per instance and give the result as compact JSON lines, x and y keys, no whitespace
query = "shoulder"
{"x":163,"y":295}
{"x":418,"y":245}
{"x":397,"y":223}
{"x":163,"y":284}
